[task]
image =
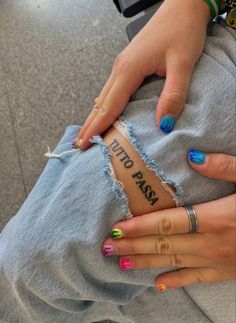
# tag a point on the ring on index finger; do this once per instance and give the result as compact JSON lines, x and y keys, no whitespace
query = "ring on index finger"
{"x":193,"y":221}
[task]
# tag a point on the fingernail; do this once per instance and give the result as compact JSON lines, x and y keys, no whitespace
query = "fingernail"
{"x":167,"y":123}
{"x":108,"y":250}
{"x":125,"y":263}
{"x":162,"y":287}
{"x":196,"y":156}
{"x":76,"y":142}
{"x":116,"y":234}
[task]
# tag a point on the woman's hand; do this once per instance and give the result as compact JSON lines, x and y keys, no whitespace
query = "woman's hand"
{"x":169,"y":45}
{"x":161,"y":239}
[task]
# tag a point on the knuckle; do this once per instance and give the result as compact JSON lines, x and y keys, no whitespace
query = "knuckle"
{"x":185,"y":61}
{"x":103,"y":110}
{"x":176,"y":96}
{"x":199,"y":278}
{"x":162,"y":245}
{"x":117,"y":59}
{"x":227,"y":165}
{"x":125,"y":248}
{"x":144,"y":262}
{"x":96,"y":108}
{"x":132,"y":249}
{"x":133,"y":227}
{"x":123,"y":63}
{"x":177,"y":261}
{"x":225,"y":253}
{"x":107,"y":113}
{"x":164,"y":226}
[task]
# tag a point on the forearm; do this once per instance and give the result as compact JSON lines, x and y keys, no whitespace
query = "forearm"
{"x":198,"y":7}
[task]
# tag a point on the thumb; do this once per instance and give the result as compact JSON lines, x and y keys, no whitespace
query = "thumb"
{"x":174,"y":94}
{"x":218,"y":166}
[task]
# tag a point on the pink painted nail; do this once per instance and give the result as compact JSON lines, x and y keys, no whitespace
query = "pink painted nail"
{"x":74,"y":141}
{"x":125,"y":263}
{"x":108,"y":250}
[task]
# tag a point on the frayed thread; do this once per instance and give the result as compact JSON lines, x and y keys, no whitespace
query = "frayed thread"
{"x":49,"y":154}
{"x":125,"y":128}
{"x":117,"y":186}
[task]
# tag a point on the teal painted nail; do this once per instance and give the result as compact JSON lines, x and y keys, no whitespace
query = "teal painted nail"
{"x":196,"y":156}
{"x":167,"y":123}
{"x":117,"y":234}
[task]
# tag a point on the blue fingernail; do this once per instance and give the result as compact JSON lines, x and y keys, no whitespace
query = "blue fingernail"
{"x":196,"y":156}
{"x":167,"y":123}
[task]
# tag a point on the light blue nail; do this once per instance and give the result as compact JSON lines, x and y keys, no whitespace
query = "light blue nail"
{"x":167,"y":123}
{"x":197,"y":157}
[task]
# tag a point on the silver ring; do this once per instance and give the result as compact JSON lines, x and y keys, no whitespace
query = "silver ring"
{"x":192,"y":216}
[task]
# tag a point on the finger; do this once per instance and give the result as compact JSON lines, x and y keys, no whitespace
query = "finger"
{"x":151,"y":261}
{"x":174,"y":94}
{"x":210,"y":217}
{"x":160,"y":245}
{"x":99,"y":101}
{"x":165,"y":222}
{"x":187,"y":276}
{"x":113,"y":105}
{"x":214,"y":165}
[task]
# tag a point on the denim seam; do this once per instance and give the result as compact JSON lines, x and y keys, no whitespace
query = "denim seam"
{"x":117,"y":186}
{"x":150,"y":163}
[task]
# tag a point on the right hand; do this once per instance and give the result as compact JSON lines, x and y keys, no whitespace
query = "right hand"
{"x":169,"y":45}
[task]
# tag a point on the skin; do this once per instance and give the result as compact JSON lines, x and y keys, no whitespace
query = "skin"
{"x":133,"y":178}
{"x":159,"y":48}
{"x":161,"y":239}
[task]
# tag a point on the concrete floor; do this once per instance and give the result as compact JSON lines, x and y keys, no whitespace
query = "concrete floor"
{"x":55,"y":56}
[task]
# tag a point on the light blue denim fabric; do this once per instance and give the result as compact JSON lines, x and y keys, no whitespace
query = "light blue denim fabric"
{"x":52,"y":269}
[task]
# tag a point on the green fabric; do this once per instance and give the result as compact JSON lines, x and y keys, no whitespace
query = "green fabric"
{"x":219,"y":4}
{"x":211,"y":7}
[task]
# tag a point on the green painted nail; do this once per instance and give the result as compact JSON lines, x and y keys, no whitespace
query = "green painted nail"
{"x":117,"y":234}
{"x":76,"y":142}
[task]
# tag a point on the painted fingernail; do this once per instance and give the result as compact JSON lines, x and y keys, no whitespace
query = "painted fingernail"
{"x":167,"y":124}
{"x":116,"y":234}
{"x":196,"y":156}
{"x":76,"y":142}
{"x":125,"y":263}
{"x":108,"y":250}
{"x":162,"y":287}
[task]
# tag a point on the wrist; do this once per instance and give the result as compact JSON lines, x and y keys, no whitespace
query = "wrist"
{"x":223,"y":5}
{"x":215,"y":7}
{"x":197,"y":7}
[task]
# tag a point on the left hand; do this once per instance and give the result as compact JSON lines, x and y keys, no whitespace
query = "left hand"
{"x":157,"y":49}
{"x":161,"y":239}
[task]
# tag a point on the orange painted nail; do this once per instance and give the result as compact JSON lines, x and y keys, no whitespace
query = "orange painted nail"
{"x":162,"y":287}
